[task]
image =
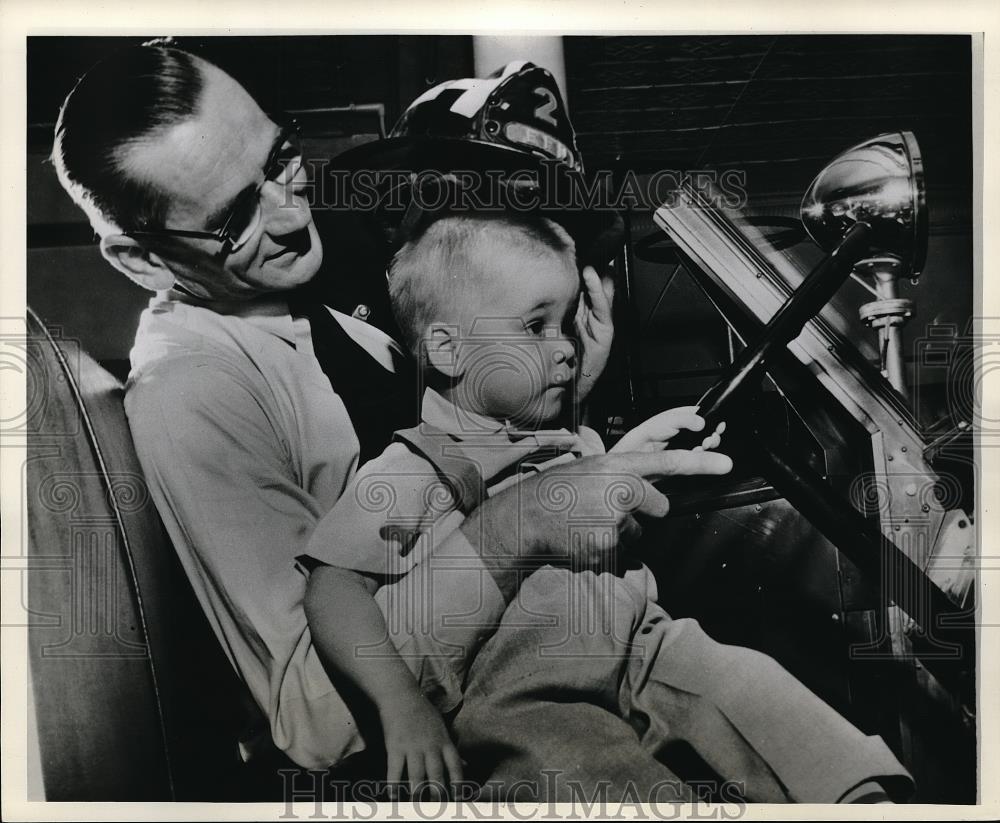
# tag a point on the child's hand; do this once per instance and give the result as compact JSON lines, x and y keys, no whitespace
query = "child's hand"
{"x":594,"y":328}
{"x":417,"y":743}
{"x":654,"y":434}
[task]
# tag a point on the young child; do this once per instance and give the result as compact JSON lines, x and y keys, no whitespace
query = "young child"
{"x":489,"y":303}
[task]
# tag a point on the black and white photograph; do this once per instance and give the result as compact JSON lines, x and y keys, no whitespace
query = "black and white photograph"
{"x":716,"y":300}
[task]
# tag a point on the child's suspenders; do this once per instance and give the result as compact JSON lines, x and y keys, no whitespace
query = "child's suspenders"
{"x":460,"y":474}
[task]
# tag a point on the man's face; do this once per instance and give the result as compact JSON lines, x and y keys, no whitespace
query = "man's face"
{"x":203,"y":165}
{"x":516,"y":357}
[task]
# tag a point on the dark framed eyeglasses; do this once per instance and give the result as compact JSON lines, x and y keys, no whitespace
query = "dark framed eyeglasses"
{"x":282,"y":166}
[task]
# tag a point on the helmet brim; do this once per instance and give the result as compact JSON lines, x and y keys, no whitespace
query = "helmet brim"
{"x":444,"y":154}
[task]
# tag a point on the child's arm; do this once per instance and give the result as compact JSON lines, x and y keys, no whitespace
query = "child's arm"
{"x":654,"y":434}
{"x":346,"y":625}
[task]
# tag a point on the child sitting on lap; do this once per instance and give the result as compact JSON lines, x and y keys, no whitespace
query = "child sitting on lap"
{"x":488,"y":303}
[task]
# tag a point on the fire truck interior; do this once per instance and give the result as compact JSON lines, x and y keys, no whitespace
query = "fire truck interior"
{"x":812,"y":285}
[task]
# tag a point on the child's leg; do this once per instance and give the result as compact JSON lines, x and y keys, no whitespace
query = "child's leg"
{"x":558,"y":751}
{"x":747,"y":717}
{"x":541,"y":703}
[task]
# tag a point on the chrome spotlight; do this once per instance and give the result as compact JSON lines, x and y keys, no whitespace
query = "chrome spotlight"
{"x":879,"y":182}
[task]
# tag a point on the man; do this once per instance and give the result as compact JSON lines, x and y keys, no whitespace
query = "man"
{"x":198,"y":195}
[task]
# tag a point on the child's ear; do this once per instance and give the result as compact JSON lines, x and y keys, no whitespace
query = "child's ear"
{"x":441,"y":345}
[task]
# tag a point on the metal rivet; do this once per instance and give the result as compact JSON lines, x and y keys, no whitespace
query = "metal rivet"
{"x":835,"y":618}
{"x":903,"y":449}
{"x":962,"y":524}
{"x":889,"y":458}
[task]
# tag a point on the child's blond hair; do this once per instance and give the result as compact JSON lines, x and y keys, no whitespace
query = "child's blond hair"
{"x":437,"y":275}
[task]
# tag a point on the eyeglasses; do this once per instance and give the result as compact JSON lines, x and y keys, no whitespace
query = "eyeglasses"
{"x":283,"y":165}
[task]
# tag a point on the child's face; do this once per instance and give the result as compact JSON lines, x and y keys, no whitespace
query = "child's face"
{"x":516,"y":357}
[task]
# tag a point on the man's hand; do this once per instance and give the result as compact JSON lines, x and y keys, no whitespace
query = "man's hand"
{"x":655,"y":434}
{"x":417,"y":744}
{"x":594,"y":329}
{"x":577,"y":513}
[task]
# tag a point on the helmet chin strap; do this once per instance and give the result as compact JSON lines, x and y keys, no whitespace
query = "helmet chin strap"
{"x":201,"y":298}
{"x":415,"y":210}
{"x":411,"y":219}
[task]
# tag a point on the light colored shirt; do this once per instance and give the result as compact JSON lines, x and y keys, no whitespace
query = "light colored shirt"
{"x":396,"y":507}
{"x":245,"y":447}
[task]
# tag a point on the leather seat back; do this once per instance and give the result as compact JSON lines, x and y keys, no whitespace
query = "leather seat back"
{"x":133,"y":695}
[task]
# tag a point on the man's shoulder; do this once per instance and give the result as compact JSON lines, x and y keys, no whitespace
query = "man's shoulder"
{"x":169,"y":331}
{"x":176,"y":342}
{"x":192,"y":364}
{"x":193,"y":396}
{"x":183,"y":362}
{"x":168,"y":326}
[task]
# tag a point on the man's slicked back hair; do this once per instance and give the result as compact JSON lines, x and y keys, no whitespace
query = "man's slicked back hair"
{"x":122,"y":101}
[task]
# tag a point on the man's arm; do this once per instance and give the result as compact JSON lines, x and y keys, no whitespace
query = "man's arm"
{"x":224,"y":478}
{"x":576,"y":514}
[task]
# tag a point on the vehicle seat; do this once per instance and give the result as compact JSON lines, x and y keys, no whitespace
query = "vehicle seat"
{"x":133,"y":695}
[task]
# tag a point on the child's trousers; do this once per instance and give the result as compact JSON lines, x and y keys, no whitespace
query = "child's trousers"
{"x":588,"y":681}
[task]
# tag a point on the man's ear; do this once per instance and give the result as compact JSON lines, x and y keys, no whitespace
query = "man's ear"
{"x":138,"y":263}
{"x":441,"y":345}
